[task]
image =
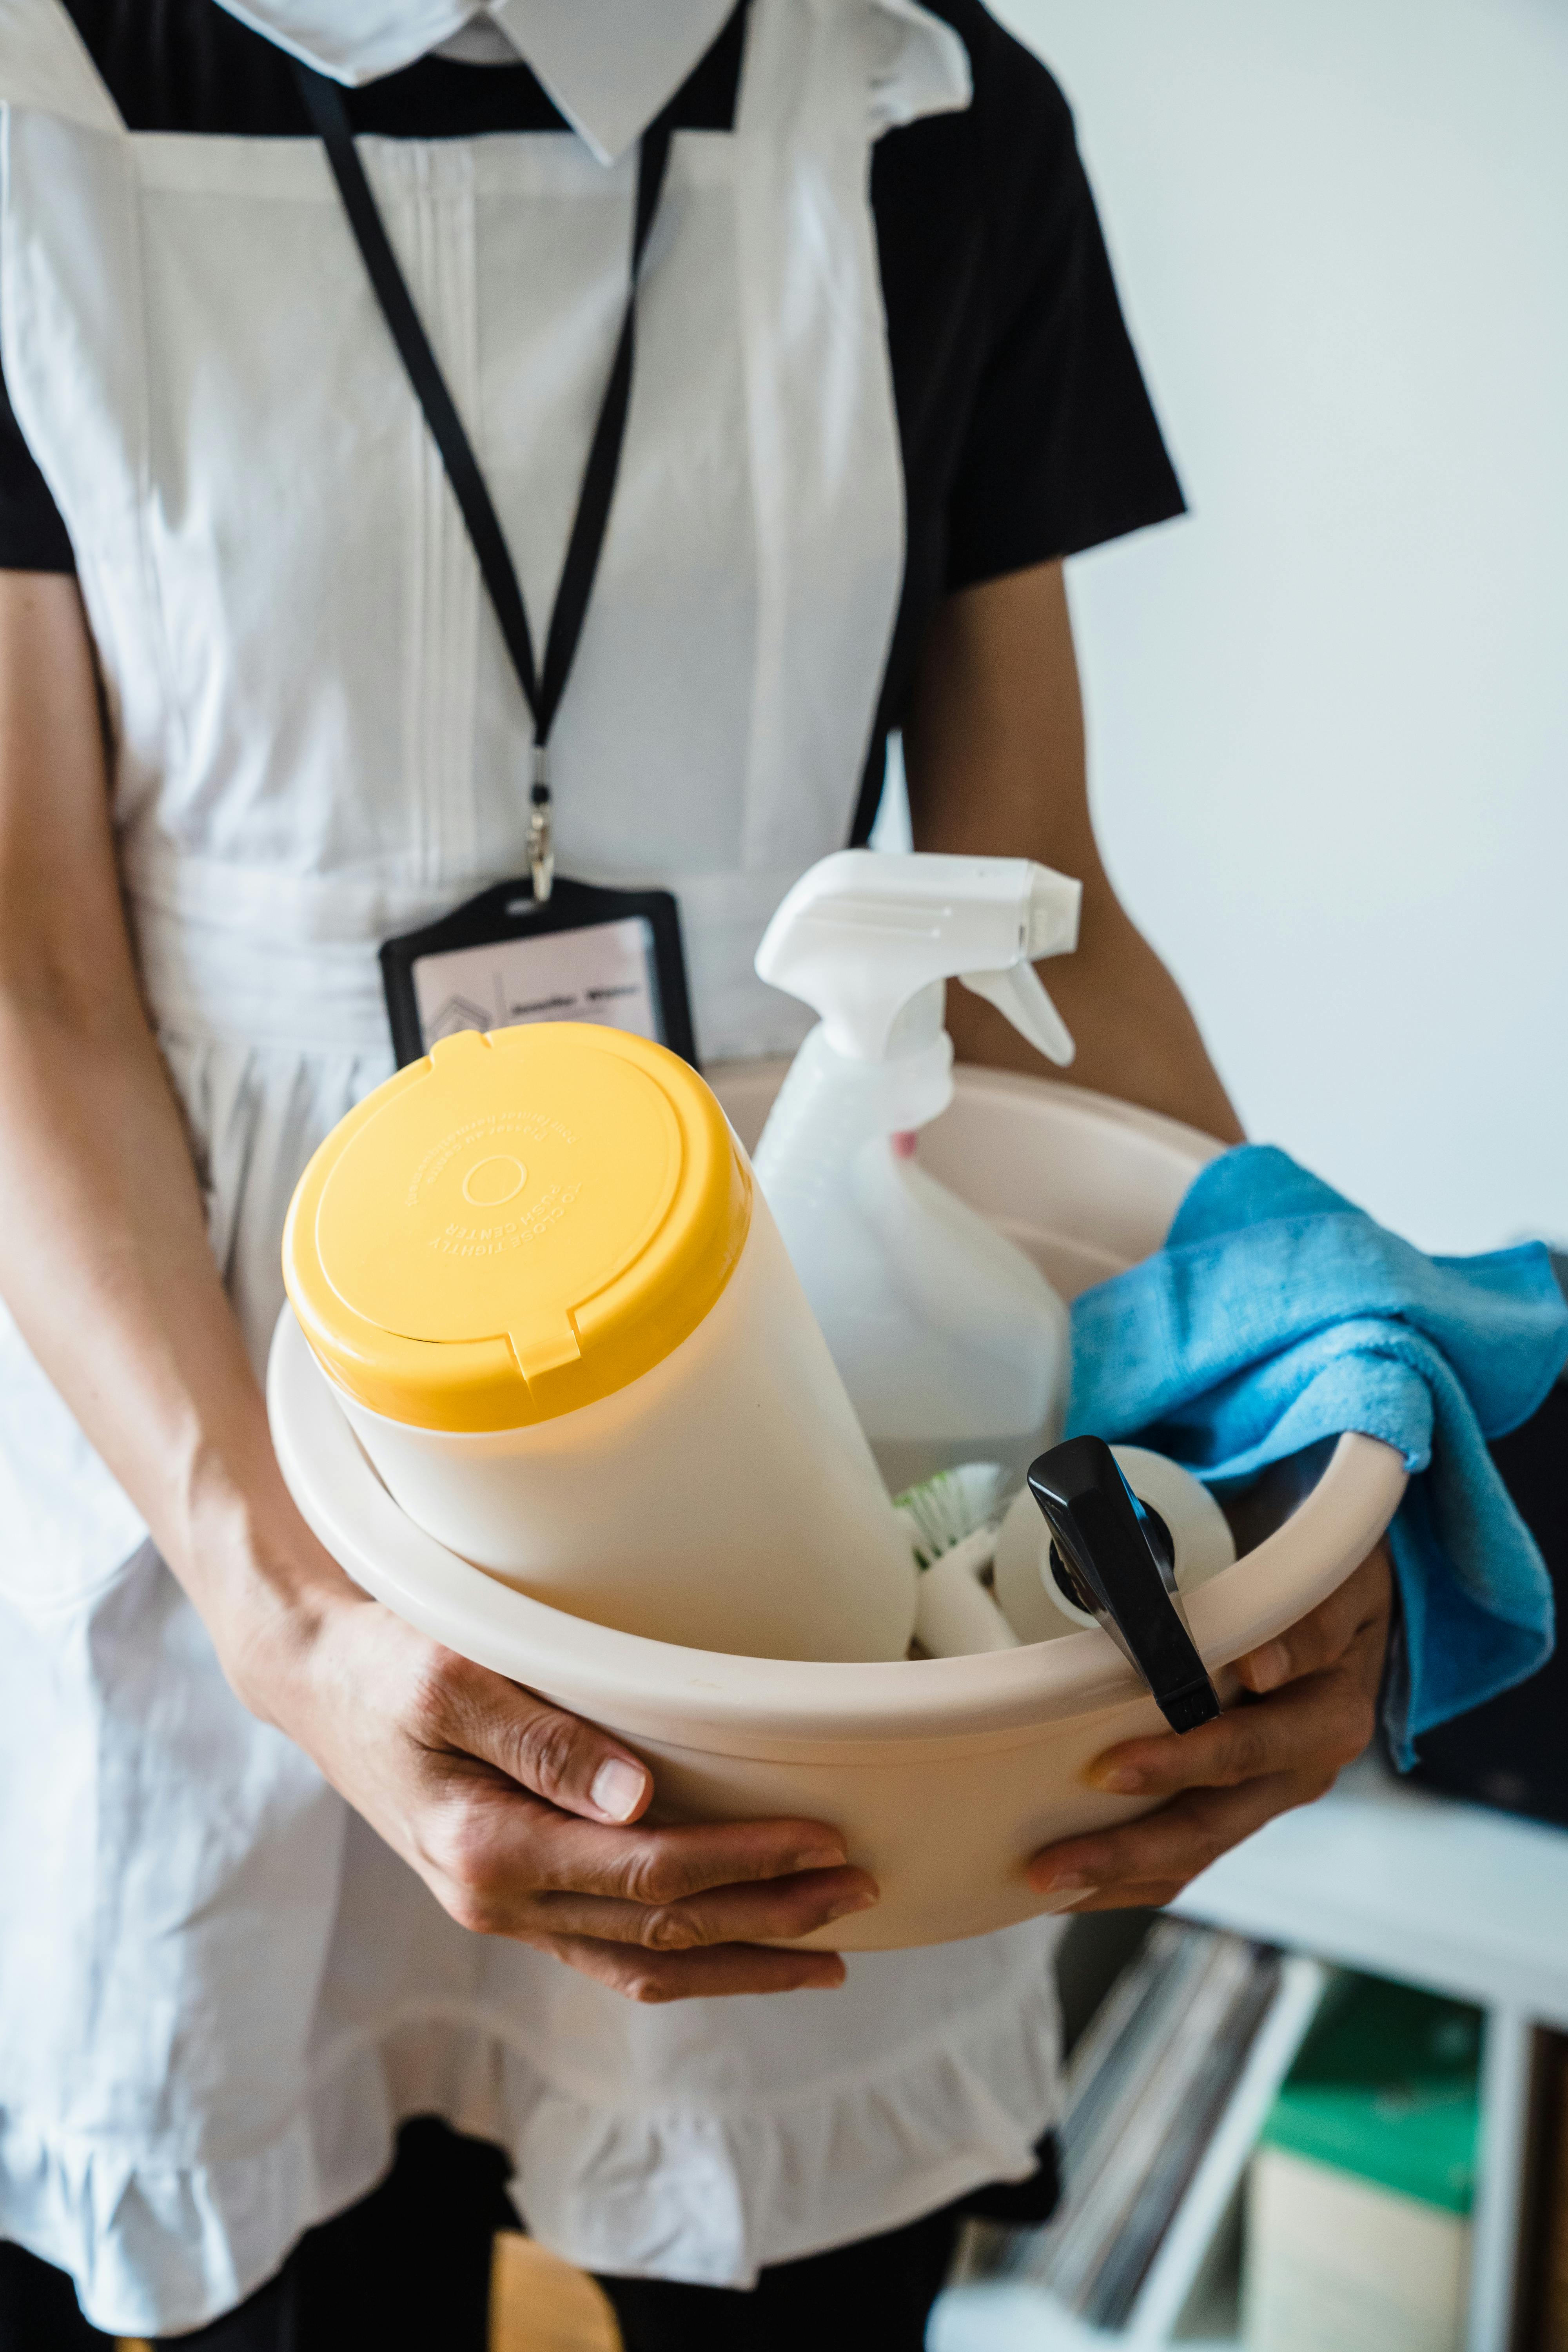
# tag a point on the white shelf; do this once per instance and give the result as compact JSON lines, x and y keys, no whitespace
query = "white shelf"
{"x":1016,"y":2316}
{"x":1376,"y":1876}
{"x":1381,"y":1876}
{"x":1175,"y":2270}
{"x":1465,"y":1901}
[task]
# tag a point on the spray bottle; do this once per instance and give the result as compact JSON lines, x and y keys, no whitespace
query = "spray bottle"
{"x":951,"y":1343}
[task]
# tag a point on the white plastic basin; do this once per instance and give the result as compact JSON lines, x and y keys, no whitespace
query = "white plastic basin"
{"x":946,"y":1774}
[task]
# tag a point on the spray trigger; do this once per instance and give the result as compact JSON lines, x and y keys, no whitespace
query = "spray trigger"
{"x":1019,"y":992}
{"x":1116,"y":1566}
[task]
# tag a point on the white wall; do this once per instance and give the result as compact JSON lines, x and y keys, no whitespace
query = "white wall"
{"x":1329,"y":712}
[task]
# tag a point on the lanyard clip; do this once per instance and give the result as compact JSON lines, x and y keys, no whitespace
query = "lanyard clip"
{"x":540,"y":829}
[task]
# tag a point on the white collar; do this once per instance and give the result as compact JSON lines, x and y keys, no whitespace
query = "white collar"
{"x":608,"y":65}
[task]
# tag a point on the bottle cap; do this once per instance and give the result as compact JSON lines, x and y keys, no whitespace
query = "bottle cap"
{"x":516,"y":1226}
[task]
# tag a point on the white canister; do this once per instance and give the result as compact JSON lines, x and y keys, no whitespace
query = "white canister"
{"x":558,"y":1314}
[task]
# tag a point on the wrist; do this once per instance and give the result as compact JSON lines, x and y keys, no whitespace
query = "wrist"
{"x":264,"y":1587}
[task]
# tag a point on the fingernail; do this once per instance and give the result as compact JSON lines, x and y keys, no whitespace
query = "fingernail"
{"x":859,"y":1901}
{"x":618,"y":1789}
{"x":1123,"y":1781}
{"x":827,"y":1984}
{"x":1266,"y":1668}
{"x":821,"y":1857}
{"x":1071,"y":1882}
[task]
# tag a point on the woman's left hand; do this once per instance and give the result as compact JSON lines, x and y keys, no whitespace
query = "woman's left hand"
{"x":1314,"y":1712}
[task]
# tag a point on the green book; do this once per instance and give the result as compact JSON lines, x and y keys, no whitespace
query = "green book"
{"x":1386,"y":2086}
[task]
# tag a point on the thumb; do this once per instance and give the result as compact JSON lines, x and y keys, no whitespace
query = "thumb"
{"x":560,"y":1758}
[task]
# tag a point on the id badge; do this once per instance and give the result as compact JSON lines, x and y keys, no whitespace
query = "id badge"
{"x":582,"y":954}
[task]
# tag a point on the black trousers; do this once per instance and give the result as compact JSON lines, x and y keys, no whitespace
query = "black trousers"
{"x":408,"y":2268}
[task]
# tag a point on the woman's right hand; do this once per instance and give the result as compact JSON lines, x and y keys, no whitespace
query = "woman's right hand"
{"x":526,"y":1821}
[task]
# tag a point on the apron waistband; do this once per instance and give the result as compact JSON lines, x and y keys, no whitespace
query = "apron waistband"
{"x":255,"y":958}
{"x":215,"y":982}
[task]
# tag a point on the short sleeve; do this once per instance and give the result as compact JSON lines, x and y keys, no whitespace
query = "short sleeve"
{"x":33,"y":538}
{"x":1062,"y":449}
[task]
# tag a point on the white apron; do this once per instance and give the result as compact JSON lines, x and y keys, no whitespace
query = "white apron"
{"x":218,"y":1991}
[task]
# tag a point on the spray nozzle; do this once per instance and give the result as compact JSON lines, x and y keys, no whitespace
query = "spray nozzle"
{"x":864,"y":935}
{"x":1116,"y":1559}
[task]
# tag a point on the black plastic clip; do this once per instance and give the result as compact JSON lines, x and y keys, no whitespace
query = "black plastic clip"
{"x":1113,"y":1556}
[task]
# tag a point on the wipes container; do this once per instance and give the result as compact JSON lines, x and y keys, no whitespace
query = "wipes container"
{"x":560,"y":1319}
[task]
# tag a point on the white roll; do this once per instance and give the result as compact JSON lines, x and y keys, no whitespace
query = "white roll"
{"x":1028,"y":1595}
{"x":955,"y":1616}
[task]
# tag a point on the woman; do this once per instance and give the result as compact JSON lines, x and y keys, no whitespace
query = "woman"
{"x":280,"y":1871}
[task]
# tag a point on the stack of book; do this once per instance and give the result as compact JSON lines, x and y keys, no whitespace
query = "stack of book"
{"x":1144,"y":2091}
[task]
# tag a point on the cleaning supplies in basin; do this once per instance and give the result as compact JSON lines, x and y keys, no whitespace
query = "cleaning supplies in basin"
{"x":559,"y":1319}
{"x":995,"y":1575}
{"x":951,"y":1343}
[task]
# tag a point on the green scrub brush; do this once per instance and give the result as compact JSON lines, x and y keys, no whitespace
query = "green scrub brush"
{"x":941,"y":1511}
{"x":952,"y":1519}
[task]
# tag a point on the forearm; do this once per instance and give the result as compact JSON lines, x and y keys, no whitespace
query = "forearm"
{"x":994,"y":749}
{"x":1135,"y":1035}
{"x":104,"y":1259}
{"x":994,"y":752}
{"x":105,"y":1264}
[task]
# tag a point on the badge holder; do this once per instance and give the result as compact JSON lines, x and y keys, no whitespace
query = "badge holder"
{"x":585,"y":953}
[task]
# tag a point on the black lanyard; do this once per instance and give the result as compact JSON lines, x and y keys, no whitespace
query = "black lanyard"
{"x":541,"y":690}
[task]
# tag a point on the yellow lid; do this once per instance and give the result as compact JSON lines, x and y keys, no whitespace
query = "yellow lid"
{"x":518,"y":1225}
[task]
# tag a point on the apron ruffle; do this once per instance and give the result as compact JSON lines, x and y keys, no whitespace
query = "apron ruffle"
{"x":666,"y":2188}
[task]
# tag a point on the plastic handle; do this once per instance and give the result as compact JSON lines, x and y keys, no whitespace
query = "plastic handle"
{"x":1018,"y":992}
{"x":1117,"y":1574}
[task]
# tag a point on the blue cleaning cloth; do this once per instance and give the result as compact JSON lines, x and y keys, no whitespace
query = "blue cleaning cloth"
{"x":1277,"y":1314}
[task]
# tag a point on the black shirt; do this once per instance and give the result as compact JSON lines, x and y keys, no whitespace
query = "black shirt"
{"x":1025,"y":429}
